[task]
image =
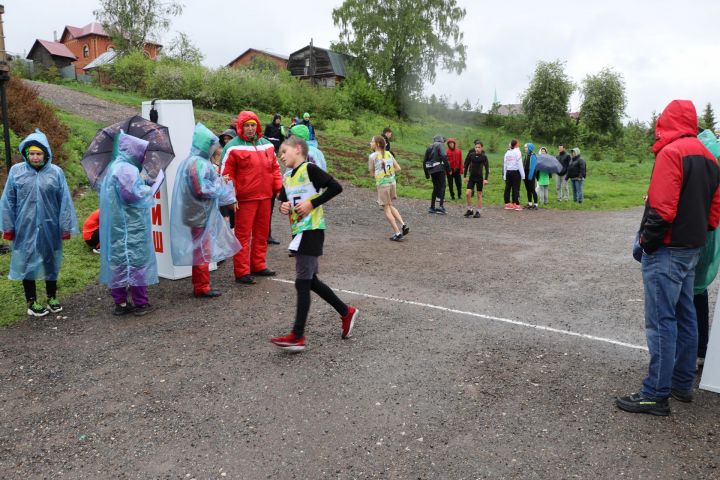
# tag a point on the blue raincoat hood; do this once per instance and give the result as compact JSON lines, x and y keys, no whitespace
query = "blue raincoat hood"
{"x":531,"y":147}
{"x":38,"y":139}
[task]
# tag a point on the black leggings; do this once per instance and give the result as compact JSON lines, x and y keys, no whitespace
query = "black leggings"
{"x":438,"y":193}
{"x":303,"y":288}
{"x":530,"y":188}
{"x":455,"y":176}
{"x":512,"y":182}
{"x":31,"y":290}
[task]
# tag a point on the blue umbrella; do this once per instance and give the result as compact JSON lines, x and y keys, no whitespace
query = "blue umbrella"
{"x":548,"y":163}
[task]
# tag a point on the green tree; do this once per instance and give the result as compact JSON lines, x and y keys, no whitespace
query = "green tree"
{"x":603,"y":102}
{"x":132,"y":23}
{"x":183,"y":49}
{"x":402,"y":42}
{"x":546,"y":100}
{"x":708,"y":118}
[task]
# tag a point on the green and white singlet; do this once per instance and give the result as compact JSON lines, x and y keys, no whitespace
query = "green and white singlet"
{"x":299,"y":188}
{"x":384,"y":169}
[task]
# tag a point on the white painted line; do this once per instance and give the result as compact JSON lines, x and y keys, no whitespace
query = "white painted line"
{"x":487,"y":317}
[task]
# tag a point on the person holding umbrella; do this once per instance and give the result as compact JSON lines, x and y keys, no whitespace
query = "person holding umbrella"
{"x":127,"y":256}
{"x":199,"y":235}
{"x":37,"y":215}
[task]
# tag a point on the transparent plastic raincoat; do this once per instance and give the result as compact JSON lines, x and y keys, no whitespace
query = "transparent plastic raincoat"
{"x":199,"y":234}
{"x":127,"y":256}
{"x":37,"y":211}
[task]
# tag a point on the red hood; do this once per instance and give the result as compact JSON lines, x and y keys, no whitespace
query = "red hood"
{"x":449,"y":140}
{"x":243,"y":117}
{"x":679,"y":119}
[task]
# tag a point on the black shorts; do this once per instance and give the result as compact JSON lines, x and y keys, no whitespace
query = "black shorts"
{"x":475,"y":183}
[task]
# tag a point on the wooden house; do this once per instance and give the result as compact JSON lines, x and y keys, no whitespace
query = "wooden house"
{"x":47,"y":54}
{"x":245,"y":58}
{"x":319,"y":65}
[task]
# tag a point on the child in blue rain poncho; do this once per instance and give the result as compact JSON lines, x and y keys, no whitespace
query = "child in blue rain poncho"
{"x":199,"y":234}
{"x":37,"y":214}
{"x":127,"y":256}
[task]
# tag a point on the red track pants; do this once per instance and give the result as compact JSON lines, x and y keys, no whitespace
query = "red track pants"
{"x":200,"y":271}
{"x":252,"y":224}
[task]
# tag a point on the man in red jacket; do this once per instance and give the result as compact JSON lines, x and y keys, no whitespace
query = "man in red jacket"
{"x":249,"y":160}
{"x":456,"y":167}
{"x":683,"y":204}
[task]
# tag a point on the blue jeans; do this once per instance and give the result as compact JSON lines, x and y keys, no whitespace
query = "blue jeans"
{"x":670,"y":320}
{"x":577,"y":190}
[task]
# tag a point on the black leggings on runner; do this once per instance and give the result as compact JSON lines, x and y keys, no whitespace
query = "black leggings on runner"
{"x":438,"y":193}
{"x":31,"y":290}
{"x":303,"y":288}
{"x":457,"y":178}
{"x":512,"y":182}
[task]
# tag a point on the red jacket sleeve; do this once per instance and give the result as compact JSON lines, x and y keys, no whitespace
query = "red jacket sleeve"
{"x":666,"y":184}
{"x":714,"y":217}
{"x":229,"y":169}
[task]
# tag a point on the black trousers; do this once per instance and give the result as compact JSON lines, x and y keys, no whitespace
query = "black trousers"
{"x":703,"y":312}
{"x":94,"y":241}
{"x":512,"y":183}
{"x":304,"y":287}
{"x":530,"y":189}
{"x":31,"y":290}
{"x":438,"y":193}
{"x":457,"y":178}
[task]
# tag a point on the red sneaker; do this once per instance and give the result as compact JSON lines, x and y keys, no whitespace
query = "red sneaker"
{"x":290,"y":343}
{"x":509,"y":206}
{"x":518,"y":207}
{"x":348,"y":321}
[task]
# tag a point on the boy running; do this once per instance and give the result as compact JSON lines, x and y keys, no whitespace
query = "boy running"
{"x":301,"y":200}
{"x":475,"y":162}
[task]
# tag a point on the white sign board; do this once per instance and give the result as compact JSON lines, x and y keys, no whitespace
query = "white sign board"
{"x":178,"y":116}
{"x":710,"y":379}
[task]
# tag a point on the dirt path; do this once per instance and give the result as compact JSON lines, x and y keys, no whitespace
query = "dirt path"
{"x":197,"y":391}
{"x":83,"y":104}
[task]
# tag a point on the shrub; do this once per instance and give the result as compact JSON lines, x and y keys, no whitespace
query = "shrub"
{"x":131,"y":71}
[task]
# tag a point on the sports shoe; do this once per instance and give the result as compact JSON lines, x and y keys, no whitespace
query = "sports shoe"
{"x":123,"y":309}
{"x":265,"y":272}
{"x":432,"y":210}
{"x":518,"y":207}
{"x":405,"y":230}
{"x":54,"y":305}
{"x":477,"y":215}
{"x":290,"y":343}
{"x":141,"y":310}
{"x":36,"y":309}
{"x":636,"y":403}
{"x":509,"y":206}
{"x":95,"y":250}
{"x":681,"y":396}
{"x":208,"y":294}
{"x":397,"y":237}
{"x":348,"y":321}
{"x":468,"y":214}
{"x":246,"y":280}
{"x":441,"y":211}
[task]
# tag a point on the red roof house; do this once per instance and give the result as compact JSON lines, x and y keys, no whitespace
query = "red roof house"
{"x":47,"y":54}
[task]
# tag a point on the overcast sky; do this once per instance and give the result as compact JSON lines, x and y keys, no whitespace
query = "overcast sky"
{"x":665,"y":49}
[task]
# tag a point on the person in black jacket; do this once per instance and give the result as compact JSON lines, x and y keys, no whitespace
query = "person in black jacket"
{"x":274,"y":132}
{"x":435,"y":165}
{"x":576,"y":174}
{"x":561,"y":186}
{"x":475,"y":162}
{"x":387,"y":134}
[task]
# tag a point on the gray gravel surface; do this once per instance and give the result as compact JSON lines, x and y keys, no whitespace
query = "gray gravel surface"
{"x":195,"y":390}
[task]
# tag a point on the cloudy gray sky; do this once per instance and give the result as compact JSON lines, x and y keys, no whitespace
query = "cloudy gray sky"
{"x":665,"y":49}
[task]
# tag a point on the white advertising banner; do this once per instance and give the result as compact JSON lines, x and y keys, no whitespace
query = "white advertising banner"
{"x":710,"y":379}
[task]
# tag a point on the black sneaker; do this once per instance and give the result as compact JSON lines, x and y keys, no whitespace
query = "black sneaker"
{"x":468,"y":213}
{"x":441,"y":211}
{"x":272,"y":241}
{"x":54,"y":305}
{"x":432,"y":210}
{"x":246,"y":280}
{"x":36,"y":309}
{"x":477,"y":215}
{"x":123,"y":309}
{"x":265,"y":273}
{"x":636,"y":403}
{"x":143,"y":310}
{"x":208,"y":294}
{"x":397,"y":237}
{"x":681,"y":396}
{"x":405,"y":230}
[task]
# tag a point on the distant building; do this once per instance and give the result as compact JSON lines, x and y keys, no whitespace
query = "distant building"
{"x":47,"y":54}
{"x":319,"y":65}
{"x":510,"y":109}
{"x":251,"y":54}
{"x":89,"y":42}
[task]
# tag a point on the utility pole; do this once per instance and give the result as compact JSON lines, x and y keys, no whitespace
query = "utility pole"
{"x":4,"y":78}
